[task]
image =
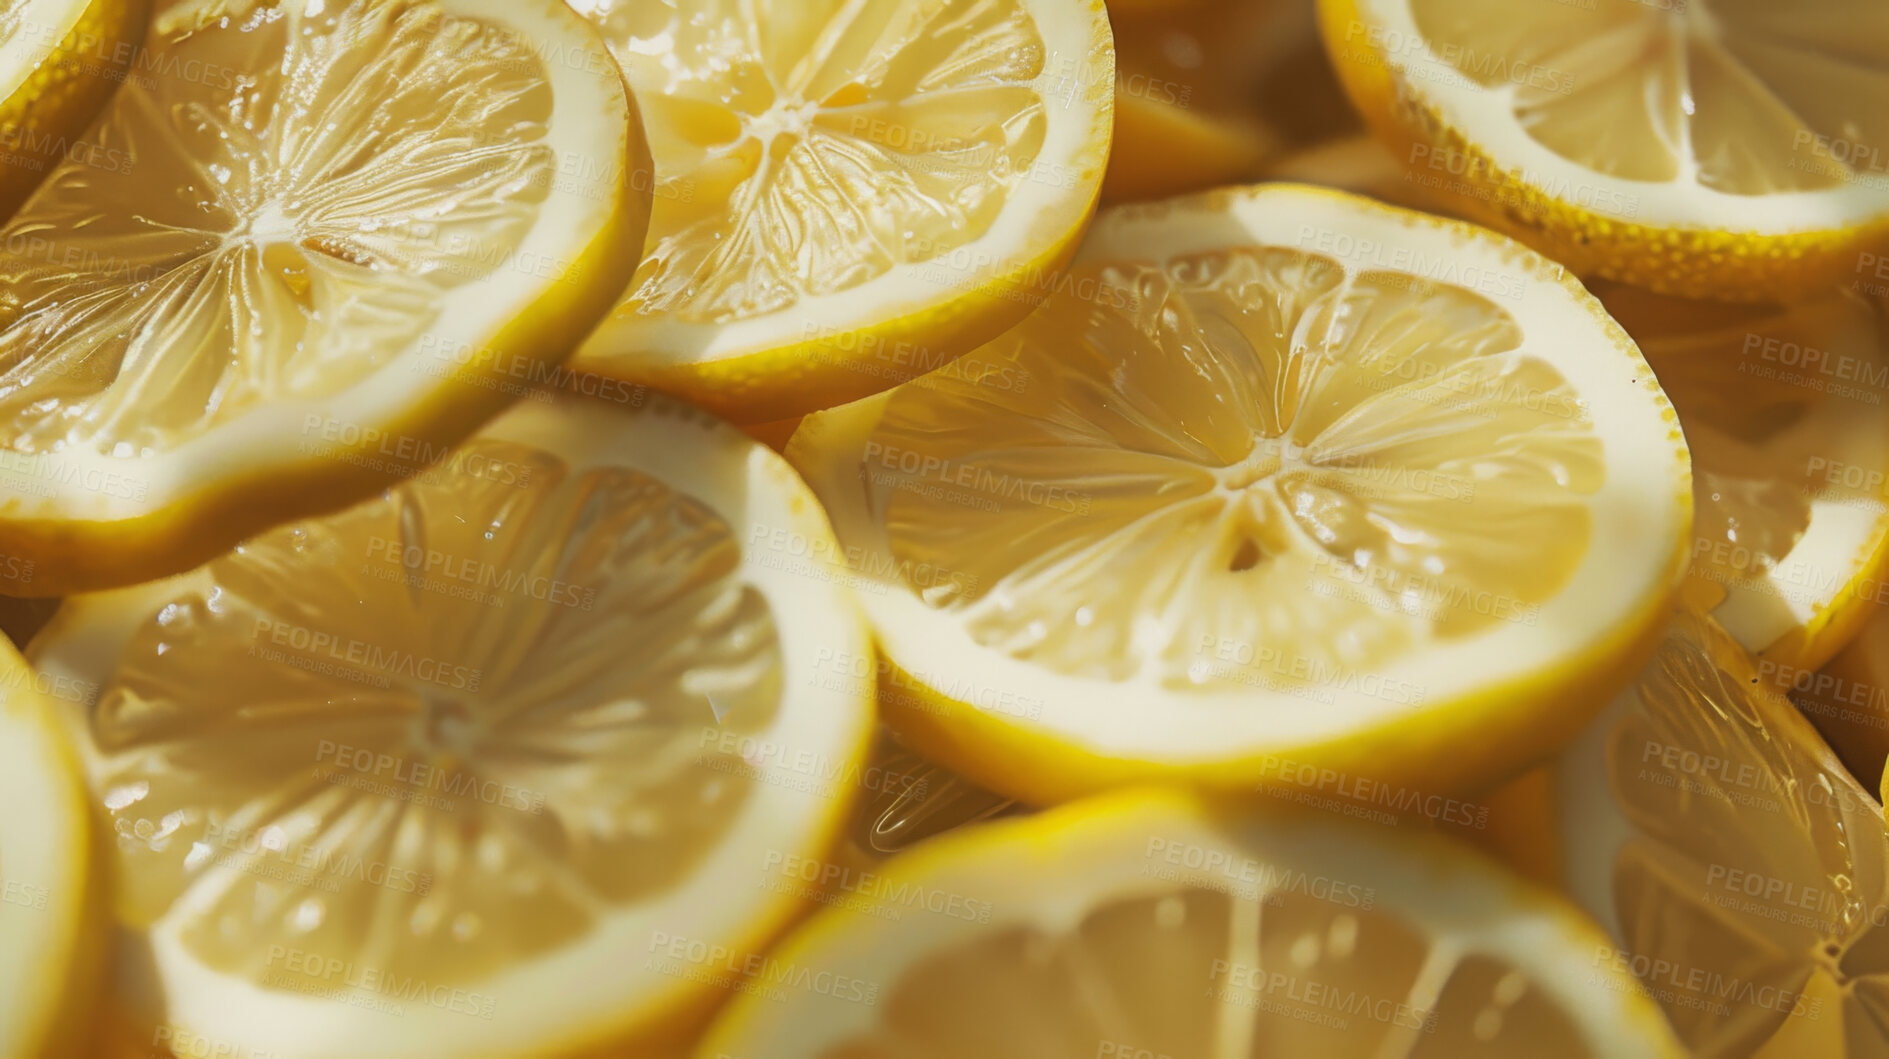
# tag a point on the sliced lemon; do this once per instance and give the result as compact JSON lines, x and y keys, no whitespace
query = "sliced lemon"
{"x":51,"y":940}
{"x":1786,"y":411}
{"x":1148,"y":924}
{"x":449,"y":772}
{"x":302,"y":290}
{"x":1705,"y":148}
{"x":1280,"y":476}
{"x":1743,"y":873}
{"x":849,"y":194}
{"x":60,"y":60}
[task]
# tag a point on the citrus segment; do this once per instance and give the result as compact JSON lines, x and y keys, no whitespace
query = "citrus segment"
{"x":1743,"y":872}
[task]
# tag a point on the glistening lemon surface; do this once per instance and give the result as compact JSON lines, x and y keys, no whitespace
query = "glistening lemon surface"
{"x":1724,"y":149}
{"x":451,"y":771}
{"x":1742,"y":872}
{"x":294,"y":291}
{"x":1279,"y":476}
{"x":849,"y":194}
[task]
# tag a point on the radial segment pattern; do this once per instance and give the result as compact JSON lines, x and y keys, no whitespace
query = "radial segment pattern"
{"x":270,"y":209}
{"x":376,"y":737}
{"x":1747,"y":97}
{"x":804,"y":147}
{"x":1197,"y":972}
{"x":1257,"y":447}
{"x":1753,"y":893}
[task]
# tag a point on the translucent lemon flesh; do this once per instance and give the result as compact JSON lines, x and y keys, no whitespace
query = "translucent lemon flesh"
{"x":1135,"y":923}
{"x":804,"y":149}
{"x":1741,"y":96}
{"x":1194,"y":973}
{"x":278,"y":236}
{"x":1256,"y":444}
{"x":531,"y":649}
{"x":1747,"y":877}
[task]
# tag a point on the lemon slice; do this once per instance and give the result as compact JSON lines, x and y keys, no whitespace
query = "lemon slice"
{"x":1743,"y":873}
{"x":1786,"y":411}
{"x":304,"y":290}
{"x":1146,"y":924}
{"x":1712,"y":148}
{"x":60,"y":60}
{"x":449,"y":772}
{"x":852,"y":194}
{"x":1296,"y":479}
{"x":50,"y":935}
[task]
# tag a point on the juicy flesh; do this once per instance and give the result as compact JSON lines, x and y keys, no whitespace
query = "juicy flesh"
{"x":1197,"y":974}
{"x":525,"y":654}
{"x":1746,"y":97}
{"x":805,"y":147}
{"x":1246,"y":447}
{"x":1771,"y":400}
{"x":1757,"y":875}
{"x":276,"y":230}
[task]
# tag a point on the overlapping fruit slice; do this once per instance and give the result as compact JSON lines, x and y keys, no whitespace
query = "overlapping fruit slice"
{"x":50,"y":931}
{"x":1148,"y":924}
{"x":444,"y":772}
{"x":1279,"y":474}
{"x":1786,"y":411}
{"x":1743,"y":873}
{"x":849,"y":194}
{"x":60,"y":60}
{"x":1712,"y":148}
{"x":337,"y":236}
